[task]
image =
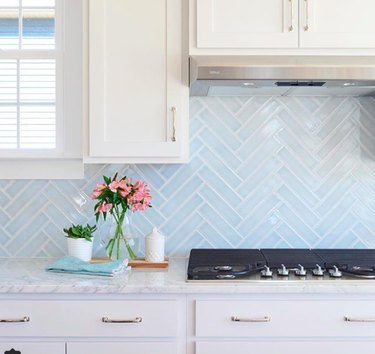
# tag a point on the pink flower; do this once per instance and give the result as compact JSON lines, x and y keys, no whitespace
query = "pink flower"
{"x":139,"y":184}
{"x":139,"y":207}
{"x":100,"y":187}
{"x":114,"y":185}
{"x":95,"y":194}
{"x":140,"y":200}
{"x":104,"y":207}
{"x":124,"y":188}
{"x":133,"y":196}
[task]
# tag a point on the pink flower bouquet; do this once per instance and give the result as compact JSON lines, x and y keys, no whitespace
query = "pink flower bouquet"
{"x":116,"y":196}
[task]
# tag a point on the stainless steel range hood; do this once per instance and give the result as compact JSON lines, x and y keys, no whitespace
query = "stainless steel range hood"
{"x":282,"y":76}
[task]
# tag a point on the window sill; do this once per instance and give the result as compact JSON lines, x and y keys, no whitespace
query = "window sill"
{"x":41,"y":169}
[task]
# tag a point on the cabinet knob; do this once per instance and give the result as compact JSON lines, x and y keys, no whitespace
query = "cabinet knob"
{"x":12,"y":351}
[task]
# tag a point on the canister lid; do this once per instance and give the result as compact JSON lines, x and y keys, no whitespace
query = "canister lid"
{"x":155,"y":234}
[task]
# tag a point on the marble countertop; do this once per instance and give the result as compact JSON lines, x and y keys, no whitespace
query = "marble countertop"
{"x":29,"y":276}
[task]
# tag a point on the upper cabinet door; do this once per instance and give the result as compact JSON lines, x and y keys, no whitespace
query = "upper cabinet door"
{"x":137,"y":109}
{"x":247,"y":23}
{"x":337,"y":24}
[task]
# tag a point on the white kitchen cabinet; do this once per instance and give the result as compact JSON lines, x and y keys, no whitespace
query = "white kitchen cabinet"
{"x":285,"y":347}
{"x":282,"y":24}
{"x":137,"y":97}
{"x":140,"y":326}
{"x":337,"y":24}
{"x":296,"y":323}
{"x":281,"y":324}
{"x":247,"y":23}
{"x":121,"y":348}
{"x":280,"y":318}
{"x":32,"y":348}
{"x":159,"y":318}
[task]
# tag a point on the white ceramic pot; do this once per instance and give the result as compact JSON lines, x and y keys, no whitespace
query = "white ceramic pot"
{"x":80,"y":248}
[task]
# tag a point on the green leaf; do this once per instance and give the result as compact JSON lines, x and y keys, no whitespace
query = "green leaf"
{"x":79,"y":231}
{"x":76,"y":232}
{"x":107,"y":179}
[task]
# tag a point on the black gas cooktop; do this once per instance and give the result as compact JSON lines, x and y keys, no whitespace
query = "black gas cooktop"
{"x":286,"y":264}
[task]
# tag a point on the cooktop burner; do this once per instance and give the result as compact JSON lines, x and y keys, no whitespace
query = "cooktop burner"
{"x":277,"y":264}
{"x":224,"y":263}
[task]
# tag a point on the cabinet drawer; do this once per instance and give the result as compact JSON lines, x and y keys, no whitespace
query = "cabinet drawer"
{"x":33,"y":348}
{"x":285,"y":347}
{"x":121,"y":348}
{"x":84,"y":318}
{"x":285,"y":318}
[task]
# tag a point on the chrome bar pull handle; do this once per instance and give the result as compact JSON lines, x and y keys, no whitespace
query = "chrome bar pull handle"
{"x":174,"y":113}
{"x":255,"y":320}
{"x":358,"y":319}
{"x":306,"y":28}
{"x":17,"y":320}
{"x":291,"y":28}
{"x":135,"y":320}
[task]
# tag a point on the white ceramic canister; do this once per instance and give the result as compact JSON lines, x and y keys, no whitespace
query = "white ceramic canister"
{"x":154,"y":247}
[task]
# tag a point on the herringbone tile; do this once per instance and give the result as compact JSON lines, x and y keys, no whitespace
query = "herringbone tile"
{"x":264,"y":172}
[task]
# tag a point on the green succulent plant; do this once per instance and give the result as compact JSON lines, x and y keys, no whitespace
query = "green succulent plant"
{"x":79,"y":231}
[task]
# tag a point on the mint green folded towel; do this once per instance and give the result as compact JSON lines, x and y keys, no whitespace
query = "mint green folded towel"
{"x":75,"y":265}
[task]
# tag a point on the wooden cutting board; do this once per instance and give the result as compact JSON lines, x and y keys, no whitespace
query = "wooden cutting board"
{"x":141,"y":263}
{"x":136,"y":263}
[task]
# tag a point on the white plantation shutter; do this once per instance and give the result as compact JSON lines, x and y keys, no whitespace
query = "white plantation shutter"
{"x":27,"y":104}
{"x":37,"y":104}
{"x":40,"y":59}
{"x":28,"y":86}
{"x":8,"y":104}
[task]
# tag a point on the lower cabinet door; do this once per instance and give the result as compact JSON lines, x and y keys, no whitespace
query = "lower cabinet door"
{"x":32,"y":348}
{"x":297,"y":347}
{"x":122,"y":348}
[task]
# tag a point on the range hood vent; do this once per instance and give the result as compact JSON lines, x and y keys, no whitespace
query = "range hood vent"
{"x":282,"y":76}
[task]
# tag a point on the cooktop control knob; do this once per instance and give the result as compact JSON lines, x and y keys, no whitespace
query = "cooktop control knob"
{"x":335,"y":272}
{"x":266,"y":272}
{"x":283,"y":271}
{"x":225,"y":276}
{"x":226,"y":268}
{"x":318,"y":271}
{"x":300,"y":271}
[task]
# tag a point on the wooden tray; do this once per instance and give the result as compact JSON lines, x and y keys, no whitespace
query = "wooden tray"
{"x":141,"y":263}
{"x":136,"y":263}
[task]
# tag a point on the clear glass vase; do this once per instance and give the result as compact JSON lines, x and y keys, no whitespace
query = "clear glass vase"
{"x":121,"y":239}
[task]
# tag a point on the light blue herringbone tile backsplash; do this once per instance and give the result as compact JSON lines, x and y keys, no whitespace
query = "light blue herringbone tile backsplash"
{"x":264,"y":172}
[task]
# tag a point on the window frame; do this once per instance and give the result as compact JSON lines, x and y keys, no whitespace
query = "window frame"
{"x":69,"y":56}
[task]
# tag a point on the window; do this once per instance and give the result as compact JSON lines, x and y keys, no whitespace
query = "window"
{"x":41,"y":78}
{"x":28,"y":75}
